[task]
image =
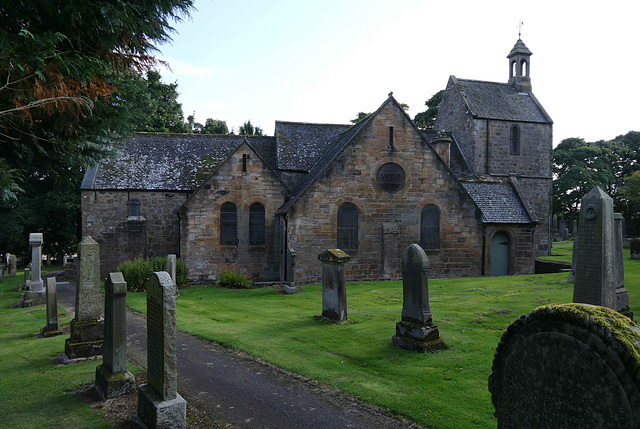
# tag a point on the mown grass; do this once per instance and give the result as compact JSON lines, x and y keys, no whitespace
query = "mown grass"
{"x":35,"y":393}
{"x":446,"y":389}
{"x":562,"y":251}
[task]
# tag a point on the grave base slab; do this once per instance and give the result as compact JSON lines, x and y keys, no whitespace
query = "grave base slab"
{"x":156,"y":413}
{"x":417,"y":337}
{"x":111,"y":385}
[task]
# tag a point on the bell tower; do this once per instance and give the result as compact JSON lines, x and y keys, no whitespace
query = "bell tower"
{"x":520,"y":67}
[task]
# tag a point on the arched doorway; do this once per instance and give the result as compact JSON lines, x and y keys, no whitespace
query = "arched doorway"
{"x":500,"y":254}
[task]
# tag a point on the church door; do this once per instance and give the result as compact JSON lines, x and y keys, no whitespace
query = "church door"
{"x":500,"y":254}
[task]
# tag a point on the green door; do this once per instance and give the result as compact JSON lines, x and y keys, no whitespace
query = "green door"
{"x":500,"y":254}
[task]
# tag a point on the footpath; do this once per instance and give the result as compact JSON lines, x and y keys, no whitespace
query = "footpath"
{"x":238,"y":391}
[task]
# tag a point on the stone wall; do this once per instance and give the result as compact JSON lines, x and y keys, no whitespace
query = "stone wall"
{"x":521,"y":258}
{"x":201,"y":248}
{"x":388,"y":221}
{"x":155,"y":232}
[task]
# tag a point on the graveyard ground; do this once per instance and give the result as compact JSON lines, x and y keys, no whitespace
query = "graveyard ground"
{"x":446,"y":389}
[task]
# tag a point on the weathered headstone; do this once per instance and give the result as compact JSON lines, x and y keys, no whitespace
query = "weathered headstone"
{"x":171,"y":268}
{"x":416,"y":330}
{"x":87,"y":328}
{"x":159,"y":404}
{"x":27,"y":279}
{"x":290,"y":286}
{"x":52,"y":328}
{"x":554,"y":224}
{"x":595,"y":278}
{"x":562,"y":229}
{"x":112,"y":377}
{"x":35,"y":241}
{"x":622,"y":294}
{"x":574,"y":252}
{"x":574,"y":228}
{"x":634,"y":247}
{"x":334,"y":287}
{"x":12,"y":265}
{"x":567,"y":366}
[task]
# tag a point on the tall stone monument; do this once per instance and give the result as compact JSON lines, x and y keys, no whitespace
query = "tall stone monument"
{"x":334,"y":285}
{"x":290,"y":286}
{"x":112,"y":377}
{"x":35,"y":241}
{"x":87,"y":327}
{"x":595,"y":275}
{"x":567,"y":366}
{"x":622,"y":294}
{"x":416,"y":330}
{"x":52,"y":328}
{"x":171,"y":268}
{"x":159,"y":404}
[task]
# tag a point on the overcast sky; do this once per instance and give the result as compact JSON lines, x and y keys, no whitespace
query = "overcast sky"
{"x":324,"y":61}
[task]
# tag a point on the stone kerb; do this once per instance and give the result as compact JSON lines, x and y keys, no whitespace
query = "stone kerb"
{"x":112,"y":377}
{"x":35,"y":241}
{"x":569,"y":366}
{"x":159,"y":404}
{"x":416,"y":330}
{"x":87,"y":327}
{"x":334,"y":288}
{"x":52,"y":328}
{"x":595,"y":278}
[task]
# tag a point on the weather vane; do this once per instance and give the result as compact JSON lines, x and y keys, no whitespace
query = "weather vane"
{"x":520,"y":29}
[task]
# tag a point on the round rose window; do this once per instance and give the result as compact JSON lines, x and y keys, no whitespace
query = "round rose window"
{"x":390,"y":177}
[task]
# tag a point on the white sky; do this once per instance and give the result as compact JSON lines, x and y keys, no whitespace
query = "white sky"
{"x":323,"y":61}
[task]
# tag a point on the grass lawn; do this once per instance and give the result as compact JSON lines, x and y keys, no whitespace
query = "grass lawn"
{"x":446,"y":389}
{"x":34,"y":393}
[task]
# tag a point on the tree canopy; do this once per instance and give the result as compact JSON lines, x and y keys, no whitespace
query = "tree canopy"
{"x":249,"y":130}
{"x":612,"y":165}
{"x":427,"y":119}
{"x":69,"y":87}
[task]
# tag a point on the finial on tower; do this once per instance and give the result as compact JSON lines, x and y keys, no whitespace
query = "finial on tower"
{"x":520,"y":29}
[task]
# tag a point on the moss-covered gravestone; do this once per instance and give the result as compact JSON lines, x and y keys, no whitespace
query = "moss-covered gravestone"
{"x":416,"y":330}
{"x":159,"y":404}
{"x":87,"y":328}
{"x":112,"y":377}
{"x":334,"y":286}
{"x":568,"y":366}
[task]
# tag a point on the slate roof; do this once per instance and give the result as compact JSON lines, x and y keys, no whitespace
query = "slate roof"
{"x":457,"y":161}
{"x":180,"y":162}
{"x":301,"y":144}
{"x":492,"y":100}
{"x":498,"y":201}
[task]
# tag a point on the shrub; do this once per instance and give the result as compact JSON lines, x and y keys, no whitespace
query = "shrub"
{"x":232,"y":278}
{"x":137,"y":271}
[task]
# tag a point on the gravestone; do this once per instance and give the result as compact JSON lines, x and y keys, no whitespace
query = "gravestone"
{"x":35,"y":241}
{"x":12,"y":265}
{"x":595,"y":274}
{"x":572,"y":274}
{"x":27,"y":279}
{"x":334,"y":287}
{"x":290,"y":286}
{"x":159,"y":404}
{"x":574,"y":228}
{"x":171,"y":268}
{"x":567,"y":366}
{"x":634,"y":247}
{"x":87,"y":327}
{"x":112,"y":377}
{"x":416,"y":330}
{"x":562,"y":229}
{"x":554,"y":224}
{"x":52,"y":328}
{"x":622,"y":294}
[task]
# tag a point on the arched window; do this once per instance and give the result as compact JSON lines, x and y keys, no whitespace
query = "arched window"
{"x":524,"y":68}
{"x":515,"y":140}
{"x":228,"y":225}
{"x":430,"y":227}
{"x":347,"y":226}
{"x":256,"y":224}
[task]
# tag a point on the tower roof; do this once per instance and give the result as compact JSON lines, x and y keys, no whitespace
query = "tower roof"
{"x":519,"y":48}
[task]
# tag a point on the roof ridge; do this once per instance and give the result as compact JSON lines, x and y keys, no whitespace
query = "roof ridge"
{"x":313,"y":123}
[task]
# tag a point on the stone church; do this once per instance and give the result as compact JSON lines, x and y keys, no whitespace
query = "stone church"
{"x":475,"y":194}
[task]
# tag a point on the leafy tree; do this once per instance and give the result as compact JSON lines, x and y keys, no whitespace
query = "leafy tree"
{"x":69,"y":73}
{"x":161,"y":111}
{"x":427,"y":119}
{"x":247,"y":129}
{"x":361,"y":116}
{"x":211,"y":126}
